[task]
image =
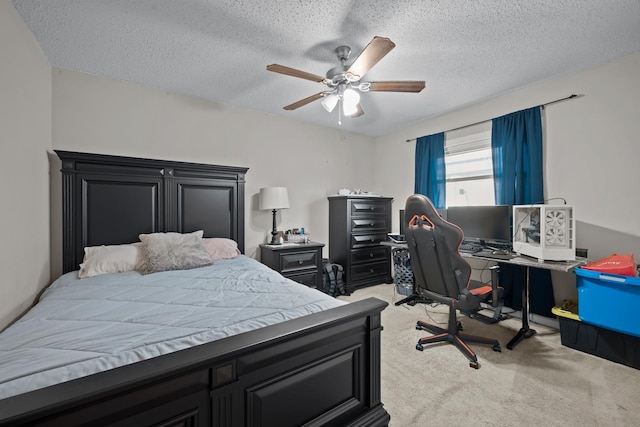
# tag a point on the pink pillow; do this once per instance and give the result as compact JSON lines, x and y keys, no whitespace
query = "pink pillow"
{"x":221,"y":248}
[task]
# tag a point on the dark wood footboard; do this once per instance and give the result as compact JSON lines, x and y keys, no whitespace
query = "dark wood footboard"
{"x":318,"y":370}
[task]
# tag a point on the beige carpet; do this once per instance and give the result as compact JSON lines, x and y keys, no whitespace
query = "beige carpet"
{"x":538,"y":383}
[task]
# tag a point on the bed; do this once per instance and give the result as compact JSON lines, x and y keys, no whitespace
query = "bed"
{"x":315,"y":362}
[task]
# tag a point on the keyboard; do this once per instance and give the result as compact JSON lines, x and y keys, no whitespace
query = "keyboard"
{"x":470,"y":248}
{"x":507,"y":256}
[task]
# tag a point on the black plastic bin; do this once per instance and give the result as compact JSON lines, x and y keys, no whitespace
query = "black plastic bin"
{"x":606,"y":343}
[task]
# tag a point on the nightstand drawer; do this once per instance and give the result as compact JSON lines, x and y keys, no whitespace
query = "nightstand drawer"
{"x":370,"y":206}
{"x":373,"y":223}
{"x":375,"y":253}
{"x":310,"y":279}
{"x":364,"y":240}
{"x":367,"y":271}
{"x":294,"y":261}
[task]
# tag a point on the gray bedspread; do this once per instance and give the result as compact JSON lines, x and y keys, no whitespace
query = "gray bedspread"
{"x":83,"y":326}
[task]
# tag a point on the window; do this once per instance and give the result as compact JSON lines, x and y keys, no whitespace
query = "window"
{"x":469,"y":166}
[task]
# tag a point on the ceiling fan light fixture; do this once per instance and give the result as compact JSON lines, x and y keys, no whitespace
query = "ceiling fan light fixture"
{"x":364,"y":86}
{"x":351,"y":77}
{"x":329,"y":102}
{"x":350,"y":100}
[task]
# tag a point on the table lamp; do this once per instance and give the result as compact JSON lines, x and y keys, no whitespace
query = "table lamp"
{"x":274,"y":198}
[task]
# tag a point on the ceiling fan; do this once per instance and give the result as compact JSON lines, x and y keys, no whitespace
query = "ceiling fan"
{"x":345,"y":81}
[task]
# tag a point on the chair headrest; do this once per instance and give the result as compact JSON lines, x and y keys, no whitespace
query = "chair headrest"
{"x":419,"y":205}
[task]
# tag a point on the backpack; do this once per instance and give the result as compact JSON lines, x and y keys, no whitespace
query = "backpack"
{"x":333,"y":283}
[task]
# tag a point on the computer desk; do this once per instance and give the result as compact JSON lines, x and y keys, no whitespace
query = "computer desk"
{"x":527,"y":262}
{"x":522,"y":260}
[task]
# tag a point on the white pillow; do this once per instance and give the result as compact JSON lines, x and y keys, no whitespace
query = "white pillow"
{"x":221,"y":248}
{"x":110,"y":259}
{"x":173,"y":251}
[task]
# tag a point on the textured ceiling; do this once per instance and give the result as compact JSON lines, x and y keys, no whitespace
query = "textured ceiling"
{"x":466,"y":51}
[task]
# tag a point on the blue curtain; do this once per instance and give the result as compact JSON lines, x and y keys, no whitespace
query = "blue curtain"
{"x":516,"y":146}
{"x":430,"y":175}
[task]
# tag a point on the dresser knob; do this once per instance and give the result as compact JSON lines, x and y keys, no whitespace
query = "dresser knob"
{"x":371,"y":224}
{"x":371,"y":208}
{"x":300,"y":261}
{"x":370,"y":255}
{"x":371,"y":270}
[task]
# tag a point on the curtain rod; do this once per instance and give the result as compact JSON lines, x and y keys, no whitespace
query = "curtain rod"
{"x":484,"y":121}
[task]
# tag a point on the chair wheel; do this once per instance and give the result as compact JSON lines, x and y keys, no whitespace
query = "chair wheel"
{"x":474,"y":365}
{"x":419,"y":347}
{"x":497,"y":348}
{"x":418,"y":327}
{"x":460,"y":328}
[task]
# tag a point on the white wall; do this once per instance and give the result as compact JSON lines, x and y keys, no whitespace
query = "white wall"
{"x":25,"y":137}
{"x":99,"y":115}
{"x":592,"y":149}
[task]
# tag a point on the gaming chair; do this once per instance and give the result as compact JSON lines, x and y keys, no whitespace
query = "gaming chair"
{"x":443,"y":275}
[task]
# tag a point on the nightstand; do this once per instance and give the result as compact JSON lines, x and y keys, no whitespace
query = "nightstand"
{"x":301,"y":262}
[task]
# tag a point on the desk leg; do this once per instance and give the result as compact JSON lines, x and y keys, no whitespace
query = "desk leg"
{"x":525,"y":331}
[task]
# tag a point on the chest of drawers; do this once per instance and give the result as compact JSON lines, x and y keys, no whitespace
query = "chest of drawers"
{"x":357,"y":226}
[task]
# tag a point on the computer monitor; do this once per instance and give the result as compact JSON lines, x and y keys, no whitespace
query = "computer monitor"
{"x":484,"y":224}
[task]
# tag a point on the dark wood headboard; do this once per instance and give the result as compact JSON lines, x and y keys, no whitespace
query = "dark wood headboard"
{"x":108,"y":200}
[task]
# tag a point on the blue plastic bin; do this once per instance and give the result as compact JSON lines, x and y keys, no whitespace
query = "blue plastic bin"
{"x":609,"y":300}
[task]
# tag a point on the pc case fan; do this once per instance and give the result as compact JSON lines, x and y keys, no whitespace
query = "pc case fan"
{"x":545,"y":232}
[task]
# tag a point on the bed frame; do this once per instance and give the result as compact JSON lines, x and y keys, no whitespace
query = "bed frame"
{"x":317,"y":370}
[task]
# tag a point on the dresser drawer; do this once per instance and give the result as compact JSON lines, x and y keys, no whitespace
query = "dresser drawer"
{"x":295,"y":261}
{"x":371,"y":223}
{"x":374,"y":253}
{"x":370,"y":270}
{"x":364,"y":240}
{"x":370,"y":206}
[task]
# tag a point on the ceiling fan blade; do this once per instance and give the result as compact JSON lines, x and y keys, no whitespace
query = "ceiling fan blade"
{"x":295,"y":73}
{"x":370,"y":55}
{"x":305,"y":101}
{"x":358,"y":112}
{"x":398,"y":86}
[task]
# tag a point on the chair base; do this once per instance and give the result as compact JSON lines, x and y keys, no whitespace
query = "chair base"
{"x":453,"y":335}
{"x":487,"y":320}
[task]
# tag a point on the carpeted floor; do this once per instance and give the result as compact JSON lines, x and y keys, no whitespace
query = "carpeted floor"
{"x":538,"y":383}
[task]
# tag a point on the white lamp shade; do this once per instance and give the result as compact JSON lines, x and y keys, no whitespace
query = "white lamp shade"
{"x":350,"y":100}
{"x":274,"y":198}
{"x":329,"y":102}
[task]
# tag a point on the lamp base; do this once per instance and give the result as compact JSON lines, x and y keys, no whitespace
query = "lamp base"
{"x":275,"y":241}
{"x":274,"y":231}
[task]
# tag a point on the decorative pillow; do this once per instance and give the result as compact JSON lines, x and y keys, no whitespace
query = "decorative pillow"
{"x":173,"y":251}
{"x":110,"y":259}
{"x":221,"y":248}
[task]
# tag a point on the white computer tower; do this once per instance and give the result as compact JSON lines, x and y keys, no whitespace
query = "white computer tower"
{"x":545,"y":232}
